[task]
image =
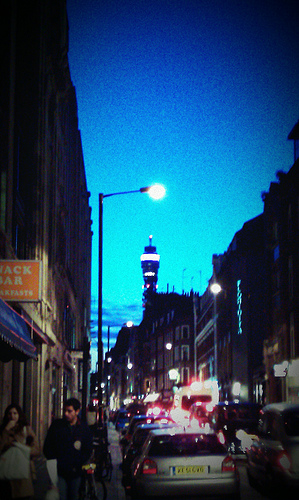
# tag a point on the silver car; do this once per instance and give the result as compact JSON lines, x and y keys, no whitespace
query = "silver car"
{"x":273,"y":458}
{"x":182,"y":462}
{"x":135,"y":446}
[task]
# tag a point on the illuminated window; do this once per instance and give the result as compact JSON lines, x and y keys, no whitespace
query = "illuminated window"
{"x":276,"y":253}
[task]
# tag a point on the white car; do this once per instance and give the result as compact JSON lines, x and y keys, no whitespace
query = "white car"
{"x":182,"y":462}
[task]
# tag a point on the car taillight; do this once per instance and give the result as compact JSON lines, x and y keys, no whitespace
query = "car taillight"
{"x":228,"y":464}
{"x":149,"y":466}
{"x":284,"y":460}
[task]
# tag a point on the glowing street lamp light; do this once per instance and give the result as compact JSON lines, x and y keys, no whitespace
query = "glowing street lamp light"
{"x":156,"y":191}
{"x":215,"y":288}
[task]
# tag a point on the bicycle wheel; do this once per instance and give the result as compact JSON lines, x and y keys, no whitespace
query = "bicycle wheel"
{"x":100,"y":491}
{"x":107,"y":466}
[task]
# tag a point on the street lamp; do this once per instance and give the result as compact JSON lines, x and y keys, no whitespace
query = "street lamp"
{"x":156,"y":192}
{"x":215,"y":289}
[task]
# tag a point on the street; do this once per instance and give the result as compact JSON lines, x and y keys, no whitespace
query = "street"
{"x":117,"y":492}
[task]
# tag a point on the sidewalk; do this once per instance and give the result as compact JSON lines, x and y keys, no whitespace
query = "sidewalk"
{"x":115,"y":490}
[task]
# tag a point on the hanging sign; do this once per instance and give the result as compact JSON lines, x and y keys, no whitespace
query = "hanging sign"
{"x":20,"y":280}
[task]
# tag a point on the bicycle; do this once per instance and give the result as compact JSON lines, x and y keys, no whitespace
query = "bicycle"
{"x":90,"y":489}
{"x":101,"y":452}
{"x":102,"y":457}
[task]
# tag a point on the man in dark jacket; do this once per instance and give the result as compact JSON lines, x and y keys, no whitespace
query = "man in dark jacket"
{"x":70,"y":442}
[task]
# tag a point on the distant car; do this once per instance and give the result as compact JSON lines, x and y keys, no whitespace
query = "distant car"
{"x":181,"y":462}
{"x":136,"y":409}
{"x":135,"y":446}
{"x":273,"y":459}
{"x":128,"y":431}
{"x":200,"y":417}
{"x":239,"y":423}
{"x":136,"y":421}
{"x":122,"y":419}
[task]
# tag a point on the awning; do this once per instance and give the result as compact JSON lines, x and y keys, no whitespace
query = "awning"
{"x":14,"y":336}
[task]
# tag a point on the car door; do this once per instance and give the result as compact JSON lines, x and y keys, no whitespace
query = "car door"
{"x":265,"y":449}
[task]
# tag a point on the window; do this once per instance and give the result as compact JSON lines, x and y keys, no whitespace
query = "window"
{"x":185,"y":376}
{"x":276,"y":281}
{"x":290,"y":221}
{"x":291,"y":278}
{"x":292,"y":335}
{"x":177,"y":333}
{"x":291,"y":423}
{"x":186,"y":445}
{"x":276,"y":253}
{"x":185,"y":353}
{"x":185,"y":332}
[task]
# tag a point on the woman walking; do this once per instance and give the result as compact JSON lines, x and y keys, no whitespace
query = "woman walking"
{"x":15,"y":428}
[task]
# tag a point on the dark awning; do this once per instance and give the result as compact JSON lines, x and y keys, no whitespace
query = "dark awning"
{"x":14,"y":336}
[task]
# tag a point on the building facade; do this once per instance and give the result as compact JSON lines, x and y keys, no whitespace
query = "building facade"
{"x":45,"y":215}
{"x":281,"y":347}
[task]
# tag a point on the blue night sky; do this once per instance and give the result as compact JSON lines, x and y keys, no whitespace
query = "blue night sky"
{"x":197,"y":95}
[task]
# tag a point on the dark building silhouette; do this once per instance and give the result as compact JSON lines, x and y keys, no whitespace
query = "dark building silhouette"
{"x":281,"y":348}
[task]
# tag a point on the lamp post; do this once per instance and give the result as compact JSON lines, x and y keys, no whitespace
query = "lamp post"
{"x":215,"y":289}
{"x":156,"y":192}
{"x":168,"y":347}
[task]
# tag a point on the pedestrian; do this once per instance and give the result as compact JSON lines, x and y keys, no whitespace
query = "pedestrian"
{"x":14,"y":427}
{"x":69,"y":441}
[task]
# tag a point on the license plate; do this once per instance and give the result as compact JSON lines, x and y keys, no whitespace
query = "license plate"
{"x":189,"y":470}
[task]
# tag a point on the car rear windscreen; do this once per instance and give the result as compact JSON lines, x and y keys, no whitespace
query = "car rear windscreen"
{"x":186,"y":445}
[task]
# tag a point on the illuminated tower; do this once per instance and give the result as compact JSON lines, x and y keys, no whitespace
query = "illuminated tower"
{"x":149,"y":265}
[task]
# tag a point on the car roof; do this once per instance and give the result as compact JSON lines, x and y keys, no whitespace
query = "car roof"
{"x":123,"y":413}
{"x":177,"y":430}
{"x":155,"y":425}
{"x":280,"y":407}
{"x":243,"y":404}
{"x":139,"y":417}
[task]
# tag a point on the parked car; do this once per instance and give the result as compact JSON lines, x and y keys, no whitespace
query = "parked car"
{"x":135,"y":446}
{"x":122,"y":419}
{"x":128,"y":431}
{"x":273,"y":459}
{"x":136,"y":408}
{"x":179,"y":461}
{"x":239,"y":423}
{"x":136,"y":421}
